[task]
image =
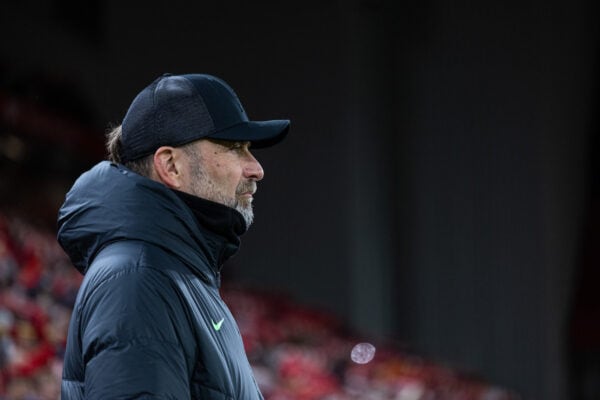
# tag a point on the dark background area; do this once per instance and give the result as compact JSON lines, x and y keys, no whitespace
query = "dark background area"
{"x":439,"y":188}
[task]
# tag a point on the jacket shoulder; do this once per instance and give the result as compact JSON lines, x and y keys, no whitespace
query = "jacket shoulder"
{"x":130,"y":310}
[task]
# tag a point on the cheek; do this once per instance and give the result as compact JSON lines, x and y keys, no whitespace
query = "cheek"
{"x":227,"y":176}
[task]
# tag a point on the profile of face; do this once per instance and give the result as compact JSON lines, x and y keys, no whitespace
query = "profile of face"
{"x":225,"y":172}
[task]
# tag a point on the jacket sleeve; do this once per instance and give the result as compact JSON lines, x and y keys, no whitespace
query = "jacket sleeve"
{"x":135,"y":338}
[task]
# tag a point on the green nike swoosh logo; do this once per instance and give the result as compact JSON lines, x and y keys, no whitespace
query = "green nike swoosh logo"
{"x":217,"y":325}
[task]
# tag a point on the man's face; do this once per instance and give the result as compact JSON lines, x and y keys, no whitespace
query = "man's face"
{"x":224,"y":172}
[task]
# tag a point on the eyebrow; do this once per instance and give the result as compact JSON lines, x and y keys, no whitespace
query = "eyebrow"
{"x":230,"y":143}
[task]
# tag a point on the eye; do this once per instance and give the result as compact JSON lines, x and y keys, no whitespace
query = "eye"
{"x":238,"y":146}
{"x":228,"y":145}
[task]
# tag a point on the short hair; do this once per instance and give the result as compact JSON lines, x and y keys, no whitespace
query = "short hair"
{"x":141,"y":166}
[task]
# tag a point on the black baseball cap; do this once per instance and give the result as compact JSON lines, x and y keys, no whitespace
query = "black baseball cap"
{"x":178,"y":109}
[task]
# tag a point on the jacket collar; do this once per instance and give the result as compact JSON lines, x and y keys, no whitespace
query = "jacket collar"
{"x":111,"y":203}
{"x":222,"y":227}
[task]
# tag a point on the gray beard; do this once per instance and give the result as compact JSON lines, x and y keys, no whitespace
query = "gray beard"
{"x":205,"y":188}
{"x":247,"y":212}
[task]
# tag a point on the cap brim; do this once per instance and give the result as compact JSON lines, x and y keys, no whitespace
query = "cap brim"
{"x":259,"y":133}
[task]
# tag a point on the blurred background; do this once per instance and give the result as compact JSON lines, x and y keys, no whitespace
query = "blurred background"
{"x":439,"y":190}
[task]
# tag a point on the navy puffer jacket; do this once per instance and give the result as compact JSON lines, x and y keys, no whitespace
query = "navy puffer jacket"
{"x":149,"y":322}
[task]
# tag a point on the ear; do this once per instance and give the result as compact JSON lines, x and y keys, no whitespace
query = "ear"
{"x":168,"y":167}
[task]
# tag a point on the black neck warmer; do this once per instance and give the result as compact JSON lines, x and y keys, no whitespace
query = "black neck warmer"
{"x":222,"y":221}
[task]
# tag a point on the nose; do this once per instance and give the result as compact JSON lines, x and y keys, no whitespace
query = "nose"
{"x":252,"y":169}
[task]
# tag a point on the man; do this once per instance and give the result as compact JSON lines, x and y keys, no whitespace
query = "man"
{"x":150,"y":231}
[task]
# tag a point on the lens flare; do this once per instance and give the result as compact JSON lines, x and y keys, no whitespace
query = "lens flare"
{"x":362,"y":353}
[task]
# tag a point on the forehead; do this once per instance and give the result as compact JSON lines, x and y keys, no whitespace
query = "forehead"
{"x":229,"y":143}
{"x":213,"y":146}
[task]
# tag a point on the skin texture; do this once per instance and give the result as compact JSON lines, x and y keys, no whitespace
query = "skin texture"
{"x":221,"y":171}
